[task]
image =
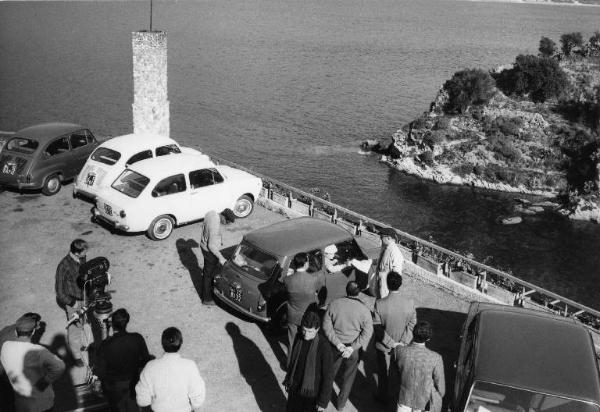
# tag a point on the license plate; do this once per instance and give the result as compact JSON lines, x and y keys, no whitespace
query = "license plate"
{"x":90,"y":179}
{"x":235,"y":294}
{"x":108,"y":209}
{"x":9,"y":168}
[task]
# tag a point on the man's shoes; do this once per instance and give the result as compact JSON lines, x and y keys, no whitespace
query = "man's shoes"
{"x":79,"y":363}
{"x":209,"y":303}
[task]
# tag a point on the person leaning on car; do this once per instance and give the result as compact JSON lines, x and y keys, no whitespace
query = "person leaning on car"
{"x":210,"y":243}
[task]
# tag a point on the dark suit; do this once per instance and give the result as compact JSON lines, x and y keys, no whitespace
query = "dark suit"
{"x":397,"y":317}
{"x":421,"y":375}
{"x":120,"y":359}
{"x":301,"y":288}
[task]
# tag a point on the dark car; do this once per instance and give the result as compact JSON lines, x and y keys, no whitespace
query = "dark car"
{"x":523,"y":360}
{"x":45,"y":155}
{"x":251,"y":282}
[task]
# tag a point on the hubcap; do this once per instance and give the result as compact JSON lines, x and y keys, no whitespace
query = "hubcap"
{"x":162,"y":228}
{"x":53,"y":184}
{"x":243,"y":207}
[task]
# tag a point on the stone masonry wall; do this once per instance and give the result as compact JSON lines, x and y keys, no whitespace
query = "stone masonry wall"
{"x":150,"y":95}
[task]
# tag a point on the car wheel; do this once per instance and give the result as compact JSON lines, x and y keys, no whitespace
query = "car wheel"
{"x":51,"y":186}
{"x":161,"y":228}
{"x":243,"y":206}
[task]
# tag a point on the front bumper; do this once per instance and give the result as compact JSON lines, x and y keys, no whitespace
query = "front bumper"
{"x":238,"y":308}
{"x":112,"y":223}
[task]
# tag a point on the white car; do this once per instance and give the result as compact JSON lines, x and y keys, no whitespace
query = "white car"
{"x":112,"y":156}
{"x":154,"y":195}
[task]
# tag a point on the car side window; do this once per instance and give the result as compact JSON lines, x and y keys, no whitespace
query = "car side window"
{"x":167,"y":149}
{"x":169,"y":186}
{"x":60,"y":145}
{"x":146,"y":154}
{"x":78,"y":139}
{"x":204,"y":177}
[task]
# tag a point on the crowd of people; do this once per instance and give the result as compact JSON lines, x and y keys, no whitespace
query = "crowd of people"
{"x":324,"y":341}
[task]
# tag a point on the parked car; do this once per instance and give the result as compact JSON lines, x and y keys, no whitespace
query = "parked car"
{"x":523,"y":360}
{"x":112,"y":156}
{"x":154,"y":195}
{"x":44,"y":156}
{"x":251,"y":282}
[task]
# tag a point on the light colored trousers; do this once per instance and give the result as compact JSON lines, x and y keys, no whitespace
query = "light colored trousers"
{"x":404,"y":408}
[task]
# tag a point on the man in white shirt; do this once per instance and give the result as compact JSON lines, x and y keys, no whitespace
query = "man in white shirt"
{"x":171,"y":383}
{"x":391,"y":259}
{"x":30,"y":368}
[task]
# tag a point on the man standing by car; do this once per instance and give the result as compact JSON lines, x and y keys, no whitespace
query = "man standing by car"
{"x":396,"y":317}
{"x":301,"y":288}
{"x":421,"y":373}
{"x":390,"y":259}
{"x":348,"y":326}
{"x":69,"y":294}
{"x":120,"y":360}
{"x":210,"y":243}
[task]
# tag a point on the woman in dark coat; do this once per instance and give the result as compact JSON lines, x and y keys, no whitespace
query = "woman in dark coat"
{"x":309,"y":379}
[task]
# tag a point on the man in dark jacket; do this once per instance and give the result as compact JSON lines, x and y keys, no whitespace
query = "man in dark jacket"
{"x":69,"y":294}
{"x":310,"y":374}
{"x":120,"y":360}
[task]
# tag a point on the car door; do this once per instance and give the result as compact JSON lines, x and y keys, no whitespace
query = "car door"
{"x":55,"y":159}
{"x":81,"y":147}
{"x":170,"y":197}
{"x":207,"y":192}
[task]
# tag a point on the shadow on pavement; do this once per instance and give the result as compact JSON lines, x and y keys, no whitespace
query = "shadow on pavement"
{"x":65,"y":396}
{"x":190,"y":261}
{"x":277,"y":338}
{"x":256,"y":371}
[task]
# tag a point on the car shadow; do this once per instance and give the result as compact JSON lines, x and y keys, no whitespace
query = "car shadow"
{"x":256,"y":371}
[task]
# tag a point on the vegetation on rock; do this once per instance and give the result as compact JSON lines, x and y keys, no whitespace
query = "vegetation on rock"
{"x":532,"y":127}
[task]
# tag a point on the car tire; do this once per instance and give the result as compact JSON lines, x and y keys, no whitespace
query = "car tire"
{"x":52,"y":185}
{"x":161,"y":228}
{"x":243,"y":207}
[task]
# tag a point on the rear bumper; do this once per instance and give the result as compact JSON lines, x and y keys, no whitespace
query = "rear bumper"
{"x":238,"y":308}
{"x":112,"y":223}
{"x":83,"y":193}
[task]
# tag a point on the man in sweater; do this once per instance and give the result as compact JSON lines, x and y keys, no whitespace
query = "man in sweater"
{"x":395,"y":318}
{"x":210,"y":243}
{"x":309,"y":378}
{"x":69,"y":294}
{"x":348,"y":326}
{"x":31,"y":369}
{"x":121,"y":357}
{"x":171,"y":383}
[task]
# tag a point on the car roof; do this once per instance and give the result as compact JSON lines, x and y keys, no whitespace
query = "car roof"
{"x":164,"y":166}
{"x":133,"y":142}
{"x":43,"y":132}
{"x":293,"y":236}
{"x":537,"y":351}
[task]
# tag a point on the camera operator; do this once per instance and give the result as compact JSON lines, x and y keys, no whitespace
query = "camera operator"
{"x":69,"y":294}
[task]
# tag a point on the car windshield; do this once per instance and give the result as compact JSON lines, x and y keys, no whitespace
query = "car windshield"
{"x":490,"y":397}
{"x":255,"y":262}
{"x":22,"y":145}
{"x":130,"y":183}
{"x":106,"y":156}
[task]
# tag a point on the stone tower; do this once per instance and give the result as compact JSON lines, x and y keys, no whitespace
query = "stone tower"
{"x":150,"y":98}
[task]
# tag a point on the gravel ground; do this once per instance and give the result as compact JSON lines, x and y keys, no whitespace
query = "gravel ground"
{"x":158,"y":283}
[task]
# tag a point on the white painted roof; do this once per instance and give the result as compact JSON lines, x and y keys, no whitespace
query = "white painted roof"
{"x":133,"y":143}
{"x":164,"y":166}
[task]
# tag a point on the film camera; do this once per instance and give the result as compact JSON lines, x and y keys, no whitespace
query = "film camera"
{"x":93,"y":279}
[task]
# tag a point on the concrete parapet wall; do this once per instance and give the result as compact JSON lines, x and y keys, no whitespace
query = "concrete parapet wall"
{"x":150,"y":94}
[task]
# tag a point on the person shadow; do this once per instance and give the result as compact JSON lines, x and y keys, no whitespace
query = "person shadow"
{"x":256,"y":371}
{"x":64,"y":387}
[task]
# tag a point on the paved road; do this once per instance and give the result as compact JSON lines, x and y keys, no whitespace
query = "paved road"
{"x":158,"y":283}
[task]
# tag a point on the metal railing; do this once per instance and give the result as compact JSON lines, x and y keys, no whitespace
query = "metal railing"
{"x":447,"y":263}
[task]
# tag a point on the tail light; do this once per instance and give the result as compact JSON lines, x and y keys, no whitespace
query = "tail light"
{"x":122,"y":214}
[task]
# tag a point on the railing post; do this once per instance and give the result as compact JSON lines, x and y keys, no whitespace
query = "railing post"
{"x":311,"y":208}
{"x":290,"y":199}
{"x":334,"y":216}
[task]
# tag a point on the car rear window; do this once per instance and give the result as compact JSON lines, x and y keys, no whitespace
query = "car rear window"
{"x":22,"y":145}
{"x":130,"y":183}
{"x":254,"y":261}
{"x":487,"y":396}
{"x":106,"y":156}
